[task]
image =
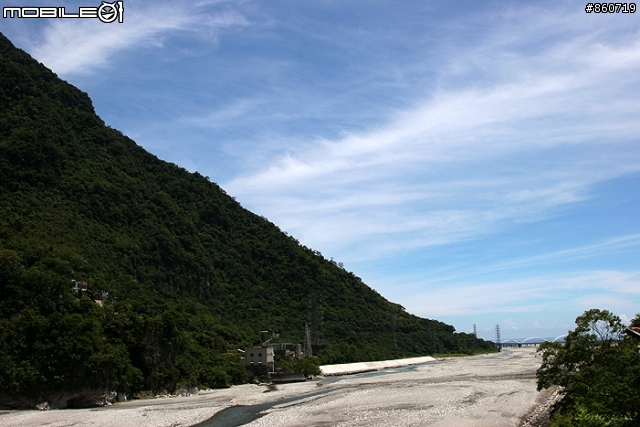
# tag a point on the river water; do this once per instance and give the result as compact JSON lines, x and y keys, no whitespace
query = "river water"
{"x":243,"y":414}
{"x":493,"y":390}
{"x":481,"y":391}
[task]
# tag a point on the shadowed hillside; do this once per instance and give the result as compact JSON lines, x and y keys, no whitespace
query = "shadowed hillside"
{"x":190,"y":274}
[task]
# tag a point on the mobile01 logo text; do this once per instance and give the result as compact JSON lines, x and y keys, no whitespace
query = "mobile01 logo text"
{"x":106,"y":12}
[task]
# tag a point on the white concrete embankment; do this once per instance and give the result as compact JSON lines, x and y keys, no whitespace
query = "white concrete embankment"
{"x":354,"y":368}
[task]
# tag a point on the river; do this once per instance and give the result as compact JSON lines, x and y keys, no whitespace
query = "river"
{"x":481,"y":391}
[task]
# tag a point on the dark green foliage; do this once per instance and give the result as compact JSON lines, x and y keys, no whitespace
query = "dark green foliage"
{"x":309,"y":366}
{"x":190,"y":273}
{"x":599,"y":375}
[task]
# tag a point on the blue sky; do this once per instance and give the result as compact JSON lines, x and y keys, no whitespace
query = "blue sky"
{"x":476,"y":162}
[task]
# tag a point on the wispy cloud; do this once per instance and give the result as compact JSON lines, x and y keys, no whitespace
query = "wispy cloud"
{"x":80,"y":46}
{"x":407,"y":141}
{"x":537,"y":132}
{"x":613,"y":290}
{"x":222,"y":116}
{"x":607,"y":248}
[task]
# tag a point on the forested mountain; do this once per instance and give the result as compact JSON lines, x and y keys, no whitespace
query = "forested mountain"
{"x":190,"y":274}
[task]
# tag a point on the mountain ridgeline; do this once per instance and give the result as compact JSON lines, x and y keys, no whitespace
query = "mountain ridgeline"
{"x":190,"y":274}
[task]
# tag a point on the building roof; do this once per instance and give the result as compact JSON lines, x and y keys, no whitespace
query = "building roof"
{"x":633,"y":331}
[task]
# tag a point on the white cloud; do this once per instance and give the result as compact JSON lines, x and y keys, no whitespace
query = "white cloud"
{"x":608,"y":247}
{"x":221,"y":117}
{"x":536,"y":325}
{"x":509,"y":324}
{"x":613,"y":290}
{"x":626,"y":320}
{"x":464,"y":160}
{"x":505,"y":127}
{"x":80,"y":46}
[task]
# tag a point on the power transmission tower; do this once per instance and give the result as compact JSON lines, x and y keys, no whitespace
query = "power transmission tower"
{"x":475,"y":332}
{"x":498,"y":340}
{"x":308,"y":351}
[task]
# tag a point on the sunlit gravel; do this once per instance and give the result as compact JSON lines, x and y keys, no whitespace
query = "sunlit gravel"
{"x":491,"y":390}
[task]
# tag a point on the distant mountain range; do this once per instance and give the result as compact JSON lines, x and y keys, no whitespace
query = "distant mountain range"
{"x":178,"y":274}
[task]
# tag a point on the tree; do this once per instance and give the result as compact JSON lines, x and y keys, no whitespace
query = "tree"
{"x":596,"y":371}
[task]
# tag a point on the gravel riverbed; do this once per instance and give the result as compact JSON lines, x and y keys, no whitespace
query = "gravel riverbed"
{"x":481,"y":391}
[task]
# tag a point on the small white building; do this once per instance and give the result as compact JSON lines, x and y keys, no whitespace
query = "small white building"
{"x":259,"y":360}
{"x":76,"y":285}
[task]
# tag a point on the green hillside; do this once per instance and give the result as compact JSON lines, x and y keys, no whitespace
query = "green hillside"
{"x":190,"y":274}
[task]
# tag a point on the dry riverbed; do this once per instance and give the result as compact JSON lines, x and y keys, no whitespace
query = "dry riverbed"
{"x":480,"y":391}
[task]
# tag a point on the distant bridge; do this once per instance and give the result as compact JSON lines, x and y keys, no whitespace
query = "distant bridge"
{"x":531,"y":341}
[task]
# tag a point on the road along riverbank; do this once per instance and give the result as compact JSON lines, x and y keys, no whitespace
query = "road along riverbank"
{"x":480,"y":391}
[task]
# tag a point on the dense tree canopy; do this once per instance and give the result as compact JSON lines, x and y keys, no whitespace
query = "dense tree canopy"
{"x":190,"y":274}
{"x":596,"y":370}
